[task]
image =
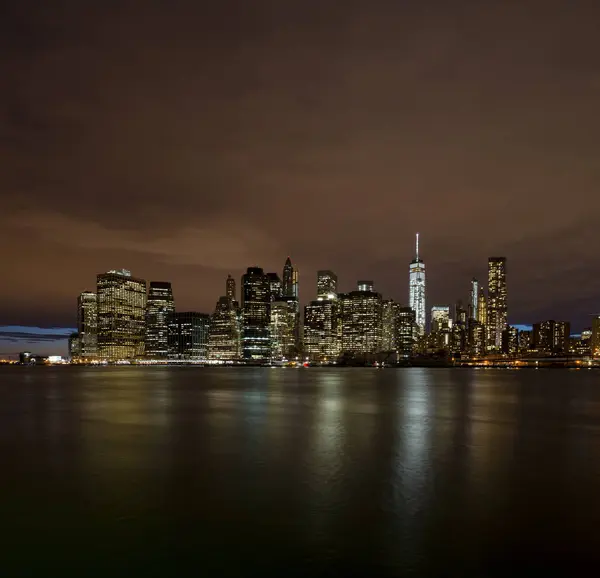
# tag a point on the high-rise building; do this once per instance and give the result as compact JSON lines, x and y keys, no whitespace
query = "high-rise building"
{"x":275,"y":286}
{"x":440,"y":318}
{"x":74,"y":345}
{"x":159,"y":308}
{"x":121,"y":315}
{"x":283,"y":329}
{"x":188,"y":336}
{"x":389,"y":325}
{"x":551,"y":337}
{"x":87,"y":325}
{"x":474,"y":300}
{"x":510,"y":340}
{"x":326,"y":284}
{"x":482,"y":308}
{"x":290,"y":280}
{"x":525,"y":341}
{"x":595,"y":339}
{"x":497,"y":317}
{"x":360,"y":313}
{"x":476,"y":339}
{"x":230,"y":288}
{"x":408,"y":331}
{"x":224,"y":341}
{"x":322,"y":330}
{"x":459,"y":330}
{"x":256,"y":315}
{"x":417,"y":289}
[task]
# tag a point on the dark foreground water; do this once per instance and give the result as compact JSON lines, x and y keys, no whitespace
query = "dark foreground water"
{"x":299,"y":472}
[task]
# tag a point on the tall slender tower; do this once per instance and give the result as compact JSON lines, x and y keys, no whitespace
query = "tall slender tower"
{"x":497,"y":317}
{"x":416,"y":289}
{"x":230,"y":288}
{"x":290,"y":280}
{"x":474,"y":300}
{"x":87,"y":324}
{"x":159,"y":307}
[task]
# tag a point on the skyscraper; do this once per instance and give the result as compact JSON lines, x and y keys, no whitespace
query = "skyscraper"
{"x":440,"y":318}
{"x":290,"y":280}
{"x":408,"y":331}
{"x":256,"y":312}
{"x":416,"y":289}
{"x":326,"y":284}
{"x":224,"y":341}
{"x":482,"y":307}
{"x":322,"y":330}
{"x":159,"y":308}
{"x":87,"y":325}
{"x":474,"y":300}
{"x":282,"y":329}
{"x":188,"y":336}
{"x":121,"y":315}
{"x":389,"y":325}
{"x":275,"y":286}
{"x":230,"y":288}
{"x":497,"y":317}
{"x":361,"y":322}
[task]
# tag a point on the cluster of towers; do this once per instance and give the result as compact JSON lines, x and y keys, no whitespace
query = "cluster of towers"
{"x":126,"y":319}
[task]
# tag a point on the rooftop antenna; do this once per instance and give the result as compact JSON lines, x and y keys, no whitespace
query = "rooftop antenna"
{"x":417,"y":246}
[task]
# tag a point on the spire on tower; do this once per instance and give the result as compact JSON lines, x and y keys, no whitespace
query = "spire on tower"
{"x":417,"y":246}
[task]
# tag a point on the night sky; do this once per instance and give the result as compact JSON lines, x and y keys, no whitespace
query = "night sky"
{"x":188,"y":140}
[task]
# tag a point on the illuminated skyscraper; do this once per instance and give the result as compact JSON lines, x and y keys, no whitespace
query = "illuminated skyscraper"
{"x":230,"y":288}
{"x":275,"y":286}
{"x":389,"y":325}
{"x":408,"y":331}
{"x":474,"y":300}
{"x":482,"y":308}
{"x":159,"y":308}
{"x":322,"y":330}
{"x":497,"y":317}
{"x":326,"y":284}
{"x":440,"y":318}
{"x":361,"y":322}
{"x":417,"y":289}
{"x":441,"y":327}
{"x":290,"y":280}
{"x":224,"y":342}
{"x":87,"y":325}
{"x":283,"y":329}
{"x":121,"y":315}
{"x":256,"y":315}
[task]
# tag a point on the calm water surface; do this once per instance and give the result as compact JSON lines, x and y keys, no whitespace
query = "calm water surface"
{"x":309,"y":472}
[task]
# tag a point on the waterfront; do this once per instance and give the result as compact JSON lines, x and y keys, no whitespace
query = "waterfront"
{"x":294,"y":472}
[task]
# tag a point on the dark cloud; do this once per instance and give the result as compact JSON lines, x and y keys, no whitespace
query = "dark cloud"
{"x":185,"y":140}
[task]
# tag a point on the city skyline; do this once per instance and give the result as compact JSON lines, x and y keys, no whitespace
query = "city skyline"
{"x":338,"y":131}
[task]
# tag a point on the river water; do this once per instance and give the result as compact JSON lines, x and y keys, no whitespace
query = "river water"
{"x":299,"y":472}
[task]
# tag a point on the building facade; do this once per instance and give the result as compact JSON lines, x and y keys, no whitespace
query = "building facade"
{"x":327,"y":282}
{"x":497,"y":312}
{"x":283,"y":329}
{"x":322,"y":330}
{"x":256,"y":316}
{"x":121,"y":315}
{"x":188,"y":336}
{"x":416,"y":290}
{"x":408,"y":332}
{"x":290,"y":280}
{"x":159,"y":307}
{"x":87,"y":325}
{"x":361,"y":317}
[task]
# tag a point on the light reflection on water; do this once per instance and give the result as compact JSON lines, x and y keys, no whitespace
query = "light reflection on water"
{"x":400,"y":471}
